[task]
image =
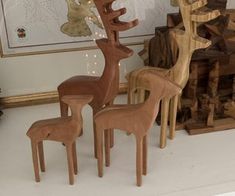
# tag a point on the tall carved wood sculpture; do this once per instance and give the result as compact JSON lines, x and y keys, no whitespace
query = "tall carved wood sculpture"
{"x":134,"y":118}
{"x":63,"y":129}
{"x":188,"y":41}
{"x":104,"y":88}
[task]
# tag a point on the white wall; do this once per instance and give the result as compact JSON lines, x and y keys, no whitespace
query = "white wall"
{"x":231,"y":4}
{"x":30,"y":74}
{"x":42,"y":73}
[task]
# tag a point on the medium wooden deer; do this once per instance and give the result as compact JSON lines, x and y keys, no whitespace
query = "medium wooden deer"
{"x":188,"y":41}
{"x":134,"y":118}
{"x":105,"y":88}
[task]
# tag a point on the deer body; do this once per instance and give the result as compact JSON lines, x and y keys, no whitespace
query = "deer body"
{"x":104,"y":88}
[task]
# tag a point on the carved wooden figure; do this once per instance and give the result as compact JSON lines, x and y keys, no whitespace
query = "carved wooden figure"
{"x":104,"y":88}
{"x":229,"y":109}
{"x":213,"y":4}
{"x":188,"y":41}
{"x":63,"y":129}
{"x":134,"y":118}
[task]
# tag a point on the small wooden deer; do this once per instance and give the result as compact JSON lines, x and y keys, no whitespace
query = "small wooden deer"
{"x":63,"y":129}
{"x":188,"y":41}
{"x":104,"y":88}
{"x":134,"y":118}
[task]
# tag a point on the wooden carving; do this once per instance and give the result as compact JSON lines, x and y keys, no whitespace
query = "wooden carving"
{"x":134,"y":118}
{"x":77,"y":15}
{"x":104,"y":88}
{"x":213,"y":4}
{"x":188,"y":41}
{"x":63,"y":129}
{"x":229,"y":109}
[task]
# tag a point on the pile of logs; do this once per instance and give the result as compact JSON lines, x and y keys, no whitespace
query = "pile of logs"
{"x":208,"y":101}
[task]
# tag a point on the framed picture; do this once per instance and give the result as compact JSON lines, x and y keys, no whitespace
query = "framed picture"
{"x":46,"y":26}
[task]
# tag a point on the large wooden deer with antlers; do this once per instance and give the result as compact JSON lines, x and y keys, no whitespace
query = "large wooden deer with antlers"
{"x":105,"y":88}
{"x":188,"y":41}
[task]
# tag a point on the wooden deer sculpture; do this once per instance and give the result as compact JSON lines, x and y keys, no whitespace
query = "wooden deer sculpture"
{"x":188,"y":41}
{"x":104,"y":88}
{"x":134,"y":118}
{"x":63,"y":129}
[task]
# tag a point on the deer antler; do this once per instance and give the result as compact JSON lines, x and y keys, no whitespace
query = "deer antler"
{"x":111,"y":20}
{"x":192,"y":16}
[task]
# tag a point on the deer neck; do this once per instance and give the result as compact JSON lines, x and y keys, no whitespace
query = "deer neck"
{"x":76,"y":115}
{"x":109,"y":81}
{"x":110,"y":74}
{"x":180,"y":71}
{"x":152,"y":103}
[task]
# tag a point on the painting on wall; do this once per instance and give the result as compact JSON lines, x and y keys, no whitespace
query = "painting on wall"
{"x":44,"y":26}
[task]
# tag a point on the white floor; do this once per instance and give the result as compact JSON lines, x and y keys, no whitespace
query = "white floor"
{"x":189,"y":166}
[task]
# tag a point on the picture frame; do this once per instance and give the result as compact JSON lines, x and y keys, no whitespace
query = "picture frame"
{"x":32,"y":27}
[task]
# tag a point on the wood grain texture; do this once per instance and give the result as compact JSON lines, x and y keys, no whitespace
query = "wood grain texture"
{"x":104,"y":88}
{"x":188,"y":41}
{"x":134,"y":118}
{"x":64,"y":130}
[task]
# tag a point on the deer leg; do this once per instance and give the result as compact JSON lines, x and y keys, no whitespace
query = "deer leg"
{"x":139,"y":160}
{"x":164,"y":121}
{"x":75,"y":163}
{"x":95,"y":140}
{"x":107,"y":147}
{"x":145,"y":154}
{"x":69,"y":150}
{"x":111,"y":135}
{"x":173,"y":114}
{"x":35,"y":160}
{"x":111,"y":138}
{"x":100,"y":152}
{"x":130,"y":94}
{"x":41,"y":156}
{"x":63,"y":109}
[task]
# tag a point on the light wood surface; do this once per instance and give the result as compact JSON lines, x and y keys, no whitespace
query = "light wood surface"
{"x":188,"y":41}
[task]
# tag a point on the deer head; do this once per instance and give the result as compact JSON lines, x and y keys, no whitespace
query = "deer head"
{"x":193,"y":15}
